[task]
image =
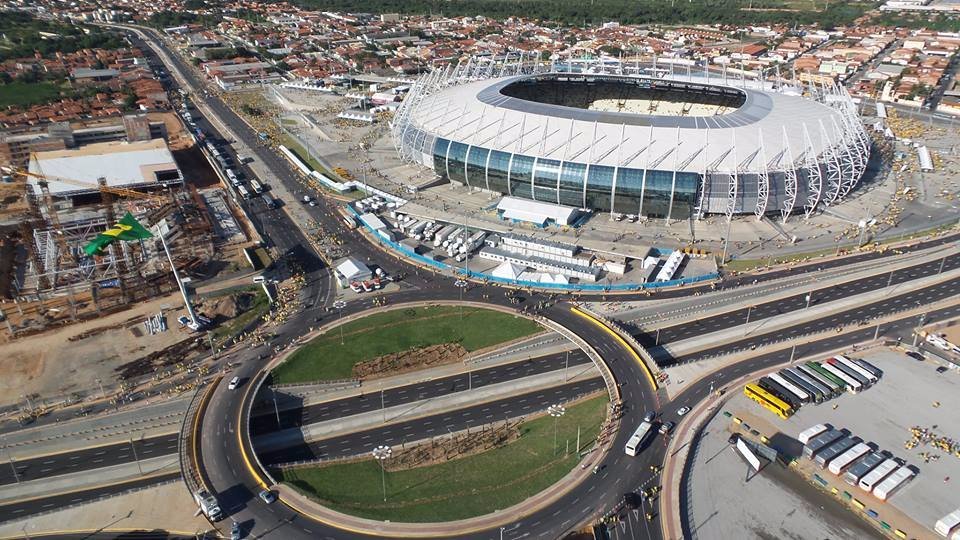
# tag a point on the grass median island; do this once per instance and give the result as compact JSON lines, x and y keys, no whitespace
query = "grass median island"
{"x":324,"y":358}
{"x":461,"y":488}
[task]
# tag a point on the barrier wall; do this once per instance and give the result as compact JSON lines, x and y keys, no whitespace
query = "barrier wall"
{"x":589,"y":287}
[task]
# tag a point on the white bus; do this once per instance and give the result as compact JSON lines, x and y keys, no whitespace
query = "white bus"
{"x":893,"y":482}
{"x":256,"y":187}
{"x":844,"y":460}
{"x":636,"y":441}
{"x":810,"y":433}
{"x":792,"y":388}
{"x":853,"y":385}
{"x":243,"y":192}
{"x":857,"y":368}
{"x":874,"y":477}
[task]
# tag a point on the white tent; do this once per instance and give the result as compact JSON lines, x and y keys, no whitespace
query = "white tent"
{"x":508,"y":270}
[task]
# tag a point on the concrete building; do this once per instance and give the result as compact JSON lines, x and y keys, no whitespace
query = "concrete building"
{"x":136,"y":165}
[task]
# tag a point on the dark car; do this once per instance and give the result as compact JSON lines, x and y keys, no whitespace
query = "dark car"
{"x":631,"y":500}
{"x":941,"y":369}
{"x":916,"y":355}
{"x":733,"y":439}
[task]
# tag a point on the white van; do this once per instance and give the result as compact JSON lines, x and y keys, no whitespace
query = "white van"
{"x":234,"y":383}
{"x":259,"y":279}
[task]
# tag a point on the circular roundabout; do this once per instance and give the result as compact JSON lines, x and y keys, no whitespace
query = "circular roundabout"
{"x":329,"y":429}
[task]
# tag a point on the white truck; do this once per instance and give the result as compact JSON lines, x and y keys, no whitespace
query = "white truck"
{"x":208,"y":505}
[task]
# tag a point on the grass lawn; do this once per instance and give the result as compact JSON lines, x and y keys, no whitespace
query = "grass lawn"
{"x":324,"y":358}
{"x":301,"y":153}
{"x":260,"y":306}
{"x":461,"y":488}
{"x":19,"y":94}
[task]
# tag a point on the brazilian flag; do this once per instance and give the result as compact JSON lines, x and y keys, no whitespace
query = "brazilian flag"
{"x":127,"y":229}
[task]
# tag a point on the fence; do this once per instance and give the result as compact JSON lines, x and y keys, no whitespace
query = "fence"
{"x":185,"y":443}
{"x":564,"y":287}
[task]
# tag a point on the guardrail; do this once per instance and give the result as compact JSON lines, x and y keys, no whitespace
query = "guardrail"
{"x":641,"y":350}
{"x":185,"y":443}
{"x":613,"y":389}
{"x":246,"y":426}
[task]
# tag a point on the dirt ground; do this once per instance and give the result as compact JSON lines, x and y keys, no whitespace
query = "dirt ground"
{"x":12,"y":200}
{"x":57,"y":363}
{"x":951,"y":329}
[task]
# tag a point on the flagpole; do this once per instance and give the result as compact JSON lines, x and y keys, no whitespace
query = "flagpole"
{"x":176,"y":276}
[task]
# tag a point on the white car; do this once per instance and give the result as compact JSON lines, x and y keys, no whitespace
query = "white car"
{"x":234,"y":383}
{"x":682,"y":411}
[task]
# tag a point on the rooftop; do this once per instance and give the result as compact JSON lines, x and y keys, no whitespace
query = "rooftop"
{"x":122,"y":164}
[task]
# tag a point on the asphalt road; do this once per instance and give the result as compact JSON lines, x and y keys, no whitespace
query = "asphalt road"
{"x":362,"y":442}
{"x":87,"y":459}
{"x":796,"y":302}
{"x":902,"y":302}
{"x":26,"y":508}
{"x":400,"y":395}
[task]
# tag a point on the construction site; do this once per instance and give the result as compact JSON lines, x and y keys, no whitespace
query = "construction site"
{"x":44,"y":270}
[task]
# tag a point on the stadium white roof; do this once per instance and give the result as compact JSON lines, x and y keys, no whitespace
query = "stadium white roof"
{"x":768,"y":122}
{"x":123,"y":164}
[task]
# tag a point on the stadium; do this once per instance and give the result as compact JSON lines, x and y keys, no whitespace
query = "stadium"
{"x":636,"y":139}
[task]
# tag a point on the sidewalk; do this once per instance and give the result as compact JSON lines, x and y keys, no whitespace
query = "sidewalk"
{"x":793,"y":318}
{"x":68,"y":483}
{"x":147,"y":421}
{"x":279,"y":440}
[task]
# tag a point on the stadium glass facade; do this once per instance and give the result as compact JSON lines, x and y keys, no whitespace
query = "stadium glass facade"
{"x":651,"y":193}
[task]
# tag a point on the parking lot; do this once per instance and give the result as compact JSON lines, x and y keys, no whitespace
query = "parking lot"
{"x":911,"y":393}
{"x":726,"y":499}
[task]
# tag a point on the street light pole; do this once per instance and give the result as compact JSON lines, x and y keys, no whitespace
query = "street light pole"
{"x":135,"y":458}
{"x":566,"y":365}
{"x":556,"y":411}
{"x":749,"y":309}
{"x":381,"y":453}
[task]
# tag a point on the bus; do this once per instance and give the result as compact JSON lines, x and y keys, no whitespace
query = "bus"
{"x":828,"y":389}
{"x":835,"y":450}
{"x":825,"y":375}
{"x":636,"y":440}
{"x":347,"y":218}
{"x":833,"y":362}
{"x":847,"y":458}
{"x":874,"y":477}
{"x":869,"y":367}
{"x":797,"y":391}
{"x":774,"y":388}
{"x":861,"y":468}
{"x":853,"y":385}
{"x":268,"y":200}
{"x":816,"y":394}
{"x":243,"y":192}
{"x":257,"y":188}
{"x":768,"y":400}
{"x":821,"y":442}
{"x":893,"y":482}
{"x":871,"y":378}
{"x":811,"y":432}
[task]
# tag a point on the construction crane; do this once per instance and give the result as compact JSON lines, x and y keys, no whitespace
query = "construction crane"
{"x":107,"y":193}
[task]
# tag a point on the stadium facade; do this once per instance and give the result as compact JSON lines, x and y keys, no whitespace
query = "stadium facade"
{"x":636,"y":138}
